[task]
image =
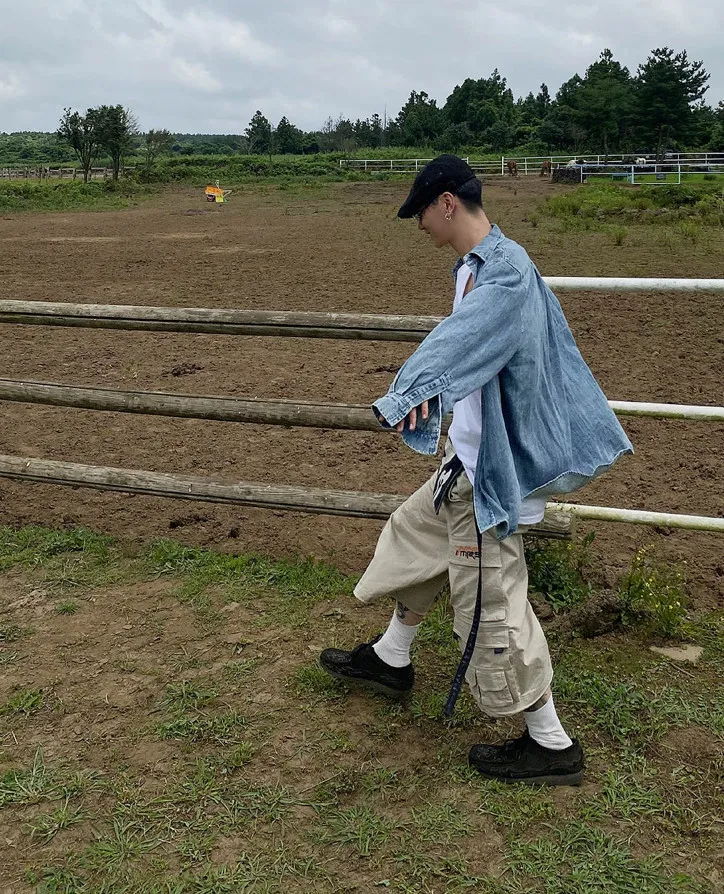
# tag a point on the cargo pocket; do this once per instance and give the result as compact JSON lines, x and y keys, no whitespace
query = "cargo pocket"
{"x":463,"y":570}
{"x":491,"y":676}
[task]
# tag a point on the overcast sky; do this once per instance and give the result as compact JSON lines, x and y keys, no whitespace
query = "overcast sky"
{"x":205,"y":67}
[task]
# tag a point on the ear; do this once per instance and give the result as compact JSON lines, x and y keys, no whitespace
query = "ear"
{"x":449,"y":202}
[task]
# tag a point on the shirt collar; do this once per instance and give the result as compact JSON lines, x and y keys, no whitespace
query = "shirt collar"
{"x":487,"y":246}
{"x":482,"y":251}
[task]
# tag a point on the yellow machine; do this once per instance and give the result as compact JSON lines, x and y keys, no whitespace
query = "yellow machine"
{"x":216,"y":193}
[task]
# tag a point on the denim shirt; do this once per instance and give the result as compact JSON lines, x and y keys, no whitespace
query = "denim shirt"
{"x":547,"y":426}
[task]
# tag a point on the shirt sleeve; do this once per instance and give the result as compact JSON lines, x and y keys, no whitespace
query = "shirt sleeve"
{"x":461,"y":354}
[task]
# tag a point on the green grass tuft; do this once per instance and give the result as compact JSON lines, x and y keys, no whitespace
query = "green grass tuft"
{"x":311,"y":679}
{"x":32,"y":545}
{"x":653,"y":595}
{"x":222,"y":729}
{"x":556,"y":570}
{"x":68,"y":607}
{"x":25,"y":701}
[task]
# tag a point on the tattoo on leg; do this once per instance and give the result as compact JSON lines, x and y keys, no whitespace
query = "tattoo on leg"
{"x":402,"y":611}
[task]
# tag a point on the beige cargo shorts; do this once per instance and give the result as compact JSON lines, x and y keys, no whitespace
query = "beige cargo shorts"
{"x":419,"y":551}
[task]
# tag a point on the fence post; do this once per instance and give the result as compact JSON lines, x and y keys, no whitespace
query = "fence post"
{"x":502,"y":164}
{"x":525,"y":167}
{"x":365,"y":165}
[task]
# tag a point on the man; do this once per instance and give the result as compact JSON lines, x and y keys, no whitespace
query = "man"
{"x":529,"y":420}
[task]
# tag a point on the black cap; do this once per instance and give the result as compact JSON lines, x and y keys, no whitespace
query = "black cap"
{"x":446,"y":173}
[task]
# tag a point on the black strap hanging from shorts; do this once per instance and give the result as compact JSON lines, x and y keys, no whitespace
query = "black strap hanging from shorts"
{"x":459,"y":677}
{"x":447,"y":475}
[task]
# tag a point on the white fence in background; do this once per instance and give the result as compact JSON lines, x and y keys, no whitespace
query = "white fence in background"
{"x":618,"y":166}
{"x":653,"y":174}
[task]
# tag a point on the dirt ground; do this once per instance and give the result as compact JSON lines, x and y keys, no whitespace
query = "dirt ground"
{"x":337,"y":248}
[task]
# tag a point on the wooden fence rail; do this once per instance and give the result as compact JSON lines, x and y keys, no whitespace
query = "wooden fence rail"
{"x":219,"y":322}
{"x":355,"y":504}
{"x":309,"y":414}
{"x":298,"y":324}
{"x":54,"y":172}
{"x":304,"y":499}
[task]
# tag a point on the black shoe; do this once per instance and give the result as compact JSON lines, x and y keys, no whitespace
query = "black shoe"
{"x":524,"y":760}
{"x":363,"y":666}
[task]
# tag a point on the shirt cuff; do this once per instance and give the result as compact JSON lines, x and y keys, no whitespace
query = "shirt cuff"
{"x":426,"y":436}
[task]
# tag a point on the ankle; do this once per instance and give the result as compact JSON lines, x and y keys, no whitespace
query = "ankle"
{"x":545,"y":727}
{"x":393,"y":647}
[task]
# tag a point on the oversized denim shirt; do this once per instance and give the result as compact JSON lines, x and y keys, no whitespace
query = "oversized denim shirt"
{"x":547,"y":426}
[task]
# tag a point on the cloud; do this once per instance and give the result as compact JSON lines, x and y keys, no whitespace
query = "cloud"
{"x":194,"y":75}
{"x":10,"y":86}
{"x":207,"y":66}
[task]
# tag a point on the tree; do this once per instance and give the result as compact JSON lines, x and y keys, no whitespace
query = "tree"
{"x":157,"y":143}
{"x":376,"y":130}
{"x":259,"y":134}
{"x":543,"y":100}
{"x":500,"y":135}
{"x":560,"y":128}
{"x":83,"y":134}
{"x":117,"y":127}
{"x":716,"y":141}
{"x":454,"y":137}
{"x":288,"y":139}
{"x":481,"y":104}
{"x":604,"y":103}
{"x":667,"y":87}
{"x":420,"y":120}
{"x":337,"y":135}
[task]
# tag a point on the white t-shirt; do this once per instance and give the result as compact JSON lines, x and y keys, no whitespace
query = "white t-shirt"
{"x":467,"y":426}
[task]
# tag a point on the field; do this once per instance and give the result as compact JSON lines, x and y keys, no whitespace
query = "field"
{"x":163,"y":725}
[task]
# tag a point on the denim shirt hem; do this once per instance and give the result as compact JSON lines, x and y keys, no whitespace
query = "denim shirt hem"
{"x":578,"y":478}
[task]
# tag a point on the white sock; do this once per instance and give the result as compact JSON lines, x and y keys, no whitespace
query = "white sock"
{"x":545,"y":727}
{"x":394,"y":646}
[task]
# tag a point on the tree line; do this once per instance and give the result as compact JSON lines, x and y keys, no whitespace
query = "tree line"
{"x":607,"y":110}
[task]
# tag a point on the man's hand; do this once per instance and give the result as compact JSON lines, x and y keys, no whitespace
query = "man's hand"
{"x":411,"y":418}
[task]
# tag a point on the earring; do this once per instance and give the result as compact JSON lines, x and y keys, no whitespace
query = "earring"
{"x":448,"y":216}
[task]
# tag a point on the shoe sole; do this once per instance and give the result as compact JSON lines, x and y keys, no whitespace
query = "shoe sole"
{"x":394,"y":694}
{"x":563,"y":779}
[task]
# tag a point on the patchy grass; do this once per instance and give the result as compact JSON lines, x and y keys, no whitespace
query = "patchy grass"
{"x":597,"y":205}
{"x":202,"y":759}
{"x":580,"y":859}
{"x":279,"y":591}
{"x":70,"y":195}
{"x":40,"y":784}
{"x":33,"y":546}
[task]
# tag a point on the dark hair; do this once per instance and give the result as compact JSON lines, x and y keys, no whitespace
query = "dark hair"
{"x":471,"y":194}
